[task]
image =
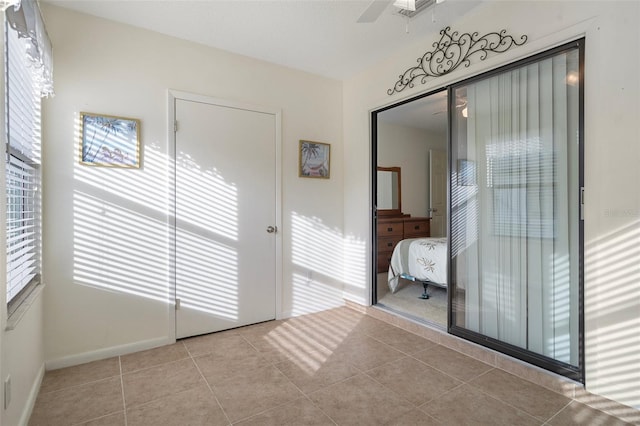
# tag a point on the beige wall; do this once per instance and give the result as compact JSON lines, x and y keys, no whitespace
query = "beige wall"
{"x":23,"y":360}
{"x":93,"y":311}
{"x":408,"y":148}
{"x":612,"y":110}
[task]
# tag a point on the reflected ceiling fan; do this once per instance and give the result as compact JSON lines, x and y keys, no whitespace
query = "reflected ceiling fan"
{"x":408,"y":8}
{"x":459,"y":104}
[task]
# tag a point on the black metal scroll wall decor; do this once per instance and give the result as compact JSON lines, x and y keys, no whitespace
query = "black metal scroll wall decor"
{"x":453,"y":50}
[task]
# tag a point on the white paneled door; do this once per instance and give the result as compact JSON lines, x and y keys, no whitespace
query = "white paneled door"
{"x":225,"y":240}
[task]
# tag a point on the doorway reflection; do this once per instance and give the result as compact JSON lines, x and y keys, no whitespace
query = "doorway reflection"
{"x":411,"y":257}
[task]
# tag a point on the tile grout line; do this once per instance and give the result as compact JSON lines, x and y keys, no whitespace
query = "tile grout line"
{"x":319,"y":408}
{"x":559,"y":411}
{"x":364,"y":374}
{"x":249,"y":343}
{"x":299,"y":330}
{"x":274,"y":364}
{"x":541,"y":422}
{"x":124,"y":402}
{"x":544,"y":422}
{"x":77,"y":385}
{"x":413,"y":404}
{"x":84,"y":422}
{"x":448,"y":374}
{"x":419,"y":407}
{"x":271,"y":361}
{"x":206,"y":382}
{"x":409,"y":354}
{"x":303,"y":396}
{"x":494,"y":363}
{"x":468,"y":383}
{"x":173,"y":361}
{"x":482,"y":374}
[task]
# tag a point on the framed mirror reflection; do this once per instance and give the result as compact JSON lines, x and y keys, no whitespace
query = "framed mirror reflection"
{"x":389,"y":190}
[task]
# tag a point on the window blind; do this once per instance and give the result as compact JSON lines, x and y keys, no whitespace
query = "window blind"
{"x":22,"y":227}
{"x":22,"y":106}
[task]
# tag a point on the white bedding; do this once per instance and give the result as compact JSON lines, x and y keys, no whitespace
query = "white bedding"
{"x":420,"y":258}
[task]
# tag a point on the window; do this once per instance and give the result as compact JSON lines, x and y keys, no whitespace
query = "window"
{"x":22,"y":123}
{"x":522,"y":183}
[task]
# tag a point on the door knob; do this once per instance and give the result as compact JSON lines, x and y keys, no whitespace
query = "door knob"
{"x":271,"y":229}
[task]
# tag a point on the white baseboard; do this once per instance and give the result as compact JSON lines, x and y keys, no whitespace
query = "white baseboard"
{"x":31,"y":399}
{"x":71,"y":360}
{"x":285,"y":315}
{"x":355,"y":299}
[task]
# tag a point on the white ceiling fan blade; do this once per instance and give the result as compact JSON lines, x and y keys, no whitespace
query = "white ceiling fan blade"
{"x":373,"y":11}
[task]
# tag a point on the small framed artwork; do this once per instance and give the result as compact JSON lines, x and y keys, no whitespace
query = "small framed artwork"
{"x":109,"y":141}
{"x":314,"y":160}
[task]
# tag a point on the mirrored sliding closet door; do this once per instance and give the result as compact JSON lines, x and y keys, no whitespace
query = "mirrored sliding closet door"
{"x":515,"y":226}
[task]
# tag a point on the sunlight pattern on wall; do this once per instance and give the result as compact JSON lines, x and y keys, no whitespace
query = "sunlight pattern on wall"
{"x":120,"y":234}
{"x":355,"y":265}
{"x":118,"y":249}
{"x":205,"y":199}
{"x":316,"y":247}
{"x":612,"y":297}
{"x":147,"y":187}
{"x":207,"y":272}
{"x":317,"y":253}
{"x":206,"y":233}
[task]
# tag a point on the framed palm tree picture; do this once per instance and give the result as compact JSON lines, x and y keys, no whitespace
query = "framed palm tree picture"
{"x":314,"y":160}
{"x":107,"y":140}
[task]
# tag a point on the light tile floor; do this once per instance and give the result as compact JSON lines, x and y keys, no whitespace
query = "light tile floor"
{"x":338,"y":367}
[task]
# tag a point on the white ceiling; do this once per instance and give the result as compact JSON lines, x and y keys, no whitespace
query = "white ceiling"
{"x":318,"y":36}
{"x":428,"y":113}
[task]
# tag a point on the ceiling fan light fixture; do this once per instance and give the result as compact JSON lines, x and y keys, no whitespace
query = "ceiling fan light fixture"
{"x":420,"y":6}
{"x":405,"y":5}
{"x":6,"y":4}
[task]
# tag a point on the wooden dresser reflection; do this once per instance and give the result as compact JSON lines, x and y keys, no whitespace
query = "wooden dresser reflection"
{"x":393,"y":229}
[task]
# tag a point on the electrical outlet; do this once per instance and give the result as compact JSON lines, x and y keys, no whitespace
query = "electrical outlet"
{"x":7,"y":392}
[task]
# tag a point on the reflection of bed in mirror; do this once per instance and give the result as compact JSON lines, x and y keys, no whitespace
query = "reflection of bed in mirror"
{"x":422,"y":260}
{"x":391,"y":230}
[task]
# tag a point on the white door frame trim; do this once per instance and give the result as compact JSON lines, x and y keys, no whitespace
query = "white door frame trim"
{"x":172,"y":96}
